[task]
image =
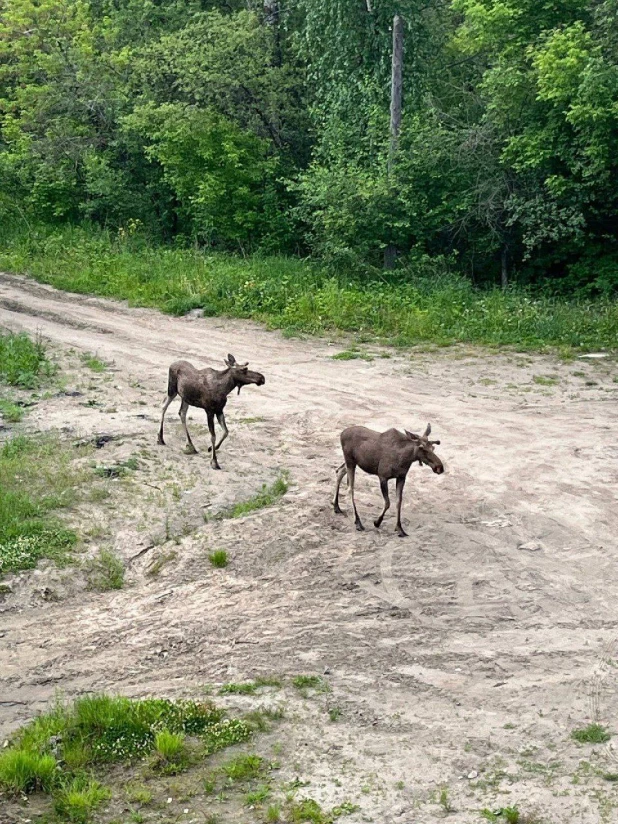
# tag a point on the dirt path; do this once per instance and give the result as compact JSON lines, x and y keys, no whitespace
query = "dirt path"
{"x":452,"y":653}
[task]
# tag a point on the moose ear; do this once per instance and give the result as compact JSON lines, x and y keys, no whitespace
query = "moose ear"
{"x":427,"y":432}
{"x":412,"y":435}
{"x":231,"y":359}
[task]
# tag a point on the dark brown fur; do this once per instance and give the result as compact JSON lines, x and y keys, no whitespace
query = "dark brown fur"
{"x":388,"y":455}
{"x":207,"y":389}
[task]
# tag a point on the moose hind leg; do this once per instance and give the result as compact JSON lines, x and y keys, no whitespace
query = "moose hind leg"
{"x":166,"y":403}
{"x":357,"y":520}
{"x":387,"y":503}
{"x":189,"y":448}
{"x":400,"y":485}
{"x":340,"y":474}
{"x":211,"y":427}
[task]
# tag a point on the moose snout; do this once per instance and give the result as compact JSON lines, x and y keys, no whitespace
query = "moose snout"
{"x":438,"y":470}
{"x":261,"y":380}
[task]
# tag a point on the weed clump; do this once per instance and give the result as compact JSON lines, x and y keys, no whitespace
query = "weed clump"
{"x":23,"y":362}
{"x":105,"y":572}
{"x":218,"y":558}
{"x":592,"y":734}
{"x":267,"y":496}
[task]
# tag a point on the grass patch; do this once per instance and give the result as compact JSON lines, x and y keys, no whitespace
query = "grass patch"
{"x":249,"y":687}
{"x":243,"y":767}
{"x":92,"y":362}
{"x":117,"y":470}
{"x":79,"y":798}
{"x":352,"y":354}
{"x":545,"y":380}
{"x":267,"y":496}
{"x":425,"y":302}
{"x":218,"y":558}
{"x":307,"y":809}
{"x":36,"y":478}
{"x":105,"y":572}
{"x":592,"y":734}
{"x":99,"y":730}
{"x":23,"y":362}
{"x":157,"y":565}
{"x":11,"y":412}
{"x":310,"y":684}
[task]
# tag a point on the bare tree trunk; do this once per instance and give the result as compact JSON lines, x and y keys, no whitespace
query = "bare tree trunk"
{"x":271,"y":14}
{"x":396,"y":88}
{"x":504,"y":271}
{"x":390,"y":252}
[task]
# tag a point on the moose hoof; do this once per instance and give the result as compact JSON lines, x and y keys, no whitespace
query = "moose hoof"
{"x":338,"y":510}
{"x":215,"y":465}
{"x":401,"y":533}
{"x":359,"y":527}
{"x":160,"y":441}
{"x":190,"y":449}
{"x":377,"y":523}
{"x":210,"y":448}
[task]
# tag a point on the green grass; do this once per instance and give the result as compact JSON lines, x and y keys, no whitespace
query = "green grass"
{"x":78,"y":799}
{"x":592,"y":734}
{"x":105,"y":572}
{"x":267,"y":496}
{"x":98,"y":730}
{"x":249,"y":687}
{"x":11,"y":412}
{"x":243,"y":767}
{"x":352,"y":354}
{"x":297,"y":296}
{"x":306,"y":684}
{"x":23,"y":362}
{"x":36,"y":478}
{"x":545,"y":380}
{"x":24,"y":771}
{"x":218,"y":558}
{"x":92,"y":362}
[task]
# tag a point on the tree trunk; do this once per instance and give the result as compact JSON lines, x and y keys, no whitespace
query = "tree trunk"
{"x":504,"y":269}
{"x":271,"y":14}
{"x":390,"y":252}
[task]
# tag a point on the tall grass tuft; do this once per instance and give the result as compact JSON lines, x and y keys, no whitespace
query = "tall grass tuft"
{"x":25,"y":771}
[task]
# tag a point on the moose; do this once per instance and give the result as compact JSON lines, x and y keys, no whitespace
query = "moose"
{"x":206,"y":389}
{"x":388,"y":455}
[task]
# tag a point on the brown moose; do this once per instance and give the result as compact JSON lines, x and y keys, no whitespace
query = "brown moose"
{"x":388,"y":455}
{"x":207,"y":389}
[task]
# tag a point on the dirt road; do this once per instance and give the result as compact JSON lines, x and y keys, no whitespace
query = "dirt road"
{"x":458,"y":659}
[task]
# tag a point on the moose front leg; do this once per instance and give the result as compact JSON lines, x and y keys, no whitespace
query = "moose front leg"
{"x":222,"y":424}
{"x":400,"y":485}
{"x":211,"y":426}
{"x":387,"y":502}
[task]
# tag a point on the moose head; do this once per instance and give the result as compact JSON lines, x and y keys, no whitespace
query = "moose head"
{"x":425,"y":450}
{"x":242,"y":375}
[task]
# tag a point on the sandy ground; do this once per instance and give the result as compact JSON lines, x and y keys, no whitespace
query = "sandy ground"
{"x":457,"y":659}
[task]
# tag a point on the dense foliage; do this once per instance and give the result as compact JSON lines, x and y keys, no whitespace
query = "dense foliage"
{"x":254,"y":125}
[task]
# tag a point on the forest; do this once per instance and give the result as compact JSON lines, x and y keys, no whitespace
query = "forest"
{"x":260,"y":128}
